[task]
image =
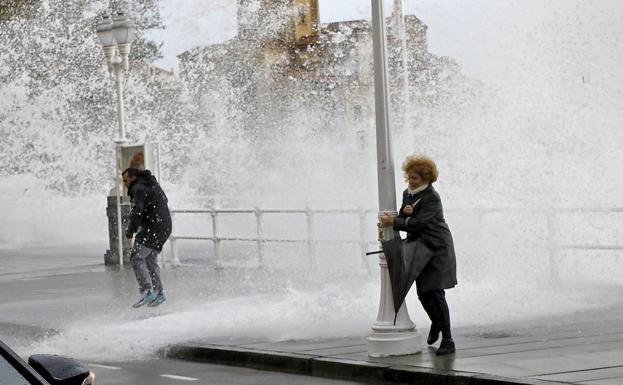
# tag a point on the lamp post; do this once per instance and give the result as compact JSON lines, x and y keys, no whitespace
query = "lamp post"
{"x":399,"y":31}
{"x":387,"y":338}
{"x":116,"y":36}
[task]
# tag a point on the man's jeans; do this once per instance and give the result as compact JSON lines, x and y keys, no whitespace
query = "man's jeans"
{"x":145,"y":263}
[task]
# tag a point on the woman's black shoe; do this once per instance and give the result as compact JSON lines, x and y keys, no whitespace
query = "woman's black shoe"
{"x":446,"y":347}
{"x":433,"y":335}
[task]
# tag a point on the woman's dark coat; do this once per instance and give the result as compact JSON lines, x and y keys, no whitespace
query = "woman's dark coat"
{"x":150,"y":213}
{"x":428,"y":225}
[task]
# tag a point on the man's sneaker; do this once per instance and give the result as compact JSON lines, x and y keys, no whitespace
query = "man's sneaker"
{"x":146,"y":297}
{"x":160,"y":298}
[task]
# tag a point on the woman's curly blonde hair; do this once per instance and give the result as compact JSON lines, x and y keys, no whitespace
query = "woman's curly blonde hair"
{"x":421,"y":165}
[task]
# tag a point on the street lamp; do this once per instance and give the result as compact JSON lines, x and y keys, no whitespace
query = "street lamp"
{"x":116,"y":36}
{"x":387,"y":338}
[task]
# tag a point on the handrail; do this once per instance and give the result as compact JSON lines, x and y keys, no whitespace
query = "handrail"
{"x":268,"y":211}
{"x":259,"y":238}
{"x":551,"y":244}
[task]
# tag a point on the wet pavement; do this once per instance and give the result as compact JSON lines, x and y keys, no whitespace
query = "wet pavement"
{"x":583,"y":348}
{"x":589,"y":352}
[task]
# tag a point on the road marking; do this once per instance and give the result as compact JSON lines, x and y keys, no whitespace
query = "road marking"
{"x":105,"y":366}
{"x":174,"y":377}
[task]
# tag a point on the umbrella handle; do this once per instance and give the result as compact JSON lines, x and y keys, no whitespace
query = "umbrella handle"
{"x":374,"y":252}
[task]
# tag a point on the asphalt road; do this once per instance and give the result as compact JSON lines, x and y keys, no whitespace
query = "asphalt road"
{"x":172,"y":372}
{"x":42,"y":288}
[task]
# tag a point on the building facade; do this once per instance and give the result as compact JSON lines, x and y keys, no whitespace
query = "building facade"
{"x":283,"y":60}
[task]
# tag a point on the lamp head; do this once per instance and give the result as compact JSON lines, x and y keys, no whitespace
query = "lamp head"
{"x":105,"y":33}
{"x":123,"y":29}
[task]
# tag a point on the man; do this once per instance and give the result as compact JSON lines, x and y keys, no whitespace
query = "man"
{"x":151,"y":221}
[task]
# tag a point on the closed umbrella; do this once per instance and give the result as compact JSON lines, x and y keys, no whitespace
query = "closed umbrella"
{"x":405,"y":262}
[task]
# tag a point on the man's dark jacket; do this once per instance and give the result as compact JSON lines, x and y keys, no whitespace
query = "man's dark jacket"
{"x":149,"y":214}
{"x":427,"y":223}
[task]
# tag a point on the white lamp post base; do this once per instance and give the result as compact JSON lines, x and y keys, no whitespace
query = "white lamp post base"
{"x":394,"y":344}
{"x":389,"y":339}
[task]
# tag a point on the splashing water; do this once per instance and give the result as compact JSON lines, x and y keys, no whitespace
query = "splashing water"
{"x":529,"y":126}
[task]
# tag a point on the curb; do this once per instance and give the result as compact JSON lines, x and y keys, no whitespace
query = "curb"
{"x":335,"y":368}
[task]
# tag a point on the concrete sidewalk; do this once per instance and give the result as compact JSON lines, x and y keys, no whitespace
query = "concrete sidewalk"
{"x":576,"y":353}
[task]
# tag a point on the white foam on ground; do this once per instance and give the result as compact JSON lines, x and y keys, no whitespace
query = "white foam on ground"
{"x":334,"y":310}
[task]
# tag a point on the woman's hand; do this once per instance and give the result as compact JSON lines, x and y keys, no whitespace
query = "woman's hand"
{"x":386,"y":220}
{"x":408,"y":209}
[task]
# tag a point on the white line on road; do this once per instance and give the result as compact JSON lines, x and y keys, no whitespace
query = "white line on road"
{"x":174,"y":377}
{"x":105,"y":366}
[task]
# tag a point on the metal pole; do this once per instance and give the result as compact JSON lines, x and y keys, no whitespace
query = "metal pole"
{"x":119,"y":217}
{"x":362,"y":238}
{"x":119,"y":142}
{"x":119,"y":79}
{"x":217,"y":241}
{"x":387,"y":338}
{"x":552,"y":247}
{"x":399,"y":29}
{"x":260,"y":236}
{"x":311,"y":250}
{"x":385,"y":164}
{"x":175,"y":260}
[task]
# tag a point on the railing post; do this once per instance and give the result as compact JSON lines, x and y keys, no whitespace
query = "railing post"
{"x":174,"y":257}
{"x":310,"y":237}
{"x":552,"y":246}
{"x":260,"y":236}
{"x":362,"y":235}
{"x":217,"y":240}
{"x":481,"y":214}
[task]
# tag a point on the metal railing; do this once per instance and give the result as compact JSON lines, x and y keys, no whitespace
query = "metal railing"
{"x":260,"y":240}
{"x":552,"y":225}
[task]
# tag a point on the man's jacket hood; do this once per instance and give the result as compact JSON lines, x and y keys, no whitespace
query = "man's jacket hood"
{"x":144,"y":177}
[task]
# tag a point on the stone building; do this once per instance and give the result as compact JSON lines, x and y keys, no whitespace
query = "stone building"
{"x":17,"y":8}
{"x":283,"y":60}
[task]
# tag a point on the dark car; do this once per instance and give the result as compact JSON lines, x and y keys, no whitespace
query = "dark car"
{"x":41,"y":369}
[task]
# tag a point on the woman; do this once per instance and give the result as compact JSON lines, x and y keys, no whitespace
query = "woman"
{"x":421,"y":216}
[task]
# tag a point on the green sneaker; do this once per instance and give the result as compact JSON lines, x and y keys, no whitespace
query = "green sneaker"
{"x":160,"y":298}
{"x":146,"y":297}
